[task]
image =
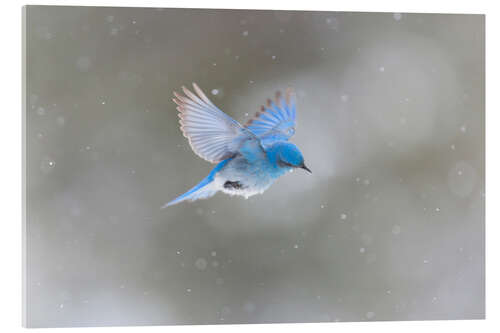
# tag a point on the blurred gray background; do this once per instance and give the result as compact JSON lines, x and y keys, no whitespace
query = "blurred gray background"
{"x":390,"y":225}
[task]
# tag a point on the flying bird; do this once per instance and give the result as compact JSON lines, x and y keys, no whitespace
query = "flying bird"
{"x":249,"y":158}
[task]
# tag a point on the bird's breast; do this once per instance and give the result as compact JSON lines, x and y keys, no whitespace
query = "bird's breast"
{"x":240,"y":177}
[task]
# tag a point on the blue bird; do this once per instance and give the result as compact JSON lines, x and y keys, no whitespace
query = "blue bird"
{"x":249,"y":158}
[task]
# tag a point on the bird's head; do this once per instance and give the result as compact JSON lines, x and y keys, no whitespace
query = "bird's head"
{"x":290,"y":156}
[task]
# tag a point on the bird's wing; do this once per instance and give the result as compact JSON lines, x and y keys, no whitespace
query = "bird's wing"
{"x":276,"y":120}
{"x":212,"y":134}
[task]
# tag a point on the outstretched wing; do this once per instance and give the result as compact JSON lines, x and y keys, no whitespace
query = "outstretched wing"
{"x":212,"y":134}
{"x":276,"y":120}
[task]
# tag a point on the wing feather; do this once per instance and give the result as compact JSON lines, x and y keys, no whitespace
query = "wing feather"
{"x":276,"y":120}
{"x":212,"y":134}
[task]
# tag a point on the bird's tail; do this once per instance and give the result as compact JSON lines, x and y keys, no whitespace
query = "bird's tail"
{"x":204,"y":189}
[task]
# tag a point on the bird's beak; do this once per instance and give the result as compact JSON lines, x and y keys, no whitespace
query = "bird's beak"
{"x":306,"y":168}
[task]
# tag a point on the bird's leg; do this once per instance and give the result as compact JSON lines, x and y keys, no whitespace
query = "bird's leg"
{"x":236,"y":185}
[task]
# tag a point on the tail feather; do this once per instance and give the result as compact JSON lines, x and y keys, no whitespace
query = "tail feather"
{"x":201,"y":191}
{"x":204,"y":189}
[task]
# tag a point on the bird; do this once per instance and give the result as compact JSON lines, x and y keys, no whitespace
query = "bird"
{"x":248,"y":158}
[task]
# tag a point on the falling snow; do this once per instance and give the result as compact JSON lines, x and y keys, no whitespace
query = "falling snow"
{"x":332,"y":23}
{"x":370,"y":315}
{"x":83,"y":63}
{"x":47,"y":165}
{"x":60,"y":121}
{"x":201,"y":264}
{"x":40,"y":111}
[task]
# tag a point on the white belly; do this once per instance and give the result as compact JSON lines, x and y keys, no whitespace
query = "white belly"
{"x":244,"y":192}
{"x":252,"y":179}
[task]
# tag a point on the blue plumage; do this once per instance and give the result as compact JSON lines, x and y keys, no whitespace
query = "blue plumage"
{"x":251,"y":157}
{"x":198,"y":192}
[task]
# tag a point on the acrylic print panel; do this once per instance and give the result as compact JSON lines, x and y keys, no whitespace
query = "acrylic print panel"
{"x":388,"y":112}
